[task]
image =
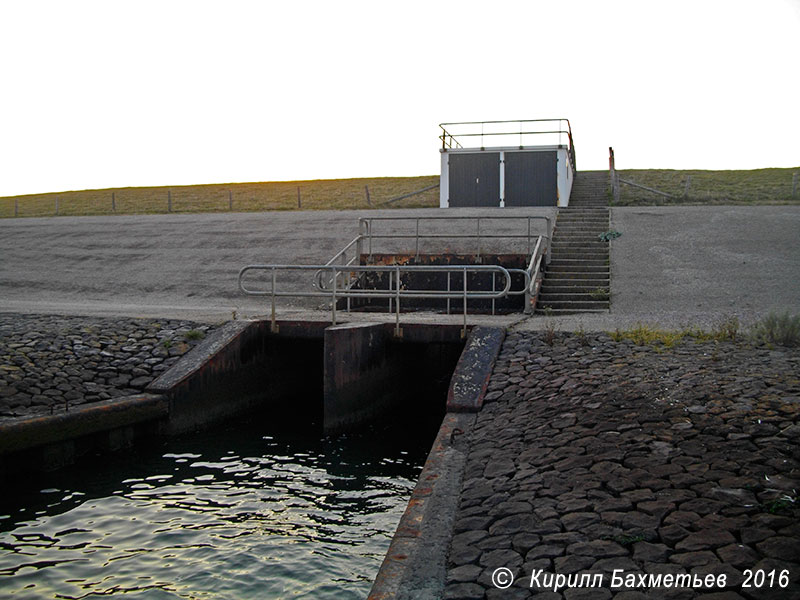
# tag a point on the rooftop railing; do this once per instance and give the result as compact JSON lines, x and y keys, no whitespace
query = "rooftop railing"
{"x":521,"y":134}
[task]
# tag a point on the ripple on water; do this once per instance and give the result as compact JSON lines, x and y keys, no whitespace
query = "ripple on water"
{"x":229,"y":514}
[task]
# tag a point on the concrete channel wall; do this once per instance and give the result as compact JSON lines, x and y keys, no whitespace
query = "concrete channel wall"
{"x":415,"y":565}
{"x":345,"y":375}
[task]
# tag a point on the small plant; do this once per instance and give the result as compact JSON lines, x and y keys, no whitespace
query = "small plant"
{"x":580,"y":333}
{"x":727,"y":329}
{"x":607,"y":236}
{"x":195,"y":334}
{"x":549,"y":333}
{"x":783,"y":330}
{"x":643,"y":335}
{"x":600,"y":294}
{"x":779,"y":505}
{"x":167,"y":343}
{"x":616,"y":335}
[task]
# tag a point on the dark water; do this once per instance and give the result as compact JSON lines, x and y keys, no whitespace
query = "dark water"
{"x":239,"y":512}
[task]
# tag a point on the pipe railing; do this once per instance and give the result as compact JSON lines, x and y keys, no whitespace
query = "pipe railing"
{"x":395,"y":291}
{"x":452,"y":139}
{"x":479,"y":235}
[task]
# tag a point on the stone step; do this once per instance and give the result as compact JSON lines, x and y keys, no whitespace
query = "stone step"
{"x":585,"y":258}
{"x":572,"y":239}
{"x":572,"y":227}
{"x":570,"y":242}
{"x":571,"y":289}
{"x":555,"y":312}
{"x":572,"y":304}
{"x":587,"y":210}
{"x":584,"y":222}
{"x":572,"y":277}
{"x":577,"y":266}
{"x":550,"y":297}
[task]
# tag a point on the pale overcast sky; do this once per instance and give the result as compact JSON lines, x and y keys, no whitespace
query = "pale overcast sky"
{"x":123,"y":93}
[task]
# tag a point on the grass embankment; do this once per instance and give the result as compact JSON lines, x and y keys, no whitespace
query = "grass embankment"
{"x":336,"y":194}
{"x":759,"y":186}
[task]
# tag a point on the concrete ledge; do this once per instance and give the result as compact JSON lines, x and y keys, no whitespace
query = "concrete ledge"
{"x":469,"y":381}
{"x":30,"y":432}
{"x":192,"y":363}
{"x":415,"y":565}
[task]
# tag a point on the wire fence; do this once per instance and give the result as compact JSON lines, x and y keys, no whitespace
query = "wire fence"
{"x":394,"y":192}
{"x":761,"y":186}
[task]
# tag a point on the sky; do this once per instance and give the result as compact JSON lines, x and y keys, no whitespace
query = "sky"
{"x":139,"y":93}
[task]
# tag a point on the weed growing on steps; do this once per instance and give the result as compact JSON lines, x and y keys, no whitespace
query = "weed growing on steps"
{"x":600,"y":294}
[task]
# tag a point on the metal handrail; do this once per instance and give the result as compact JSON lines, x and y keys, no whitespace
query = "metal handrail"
{"x":334,"y":293}
{"x":365,"y":229}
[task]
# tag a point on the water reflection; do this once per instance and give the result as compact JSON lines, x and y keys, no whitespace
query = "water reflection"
{"x":232,"y":513}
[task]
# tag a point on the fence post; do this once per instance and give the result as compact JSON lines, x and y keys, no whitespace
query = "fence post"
{"x":366,"y":189}
{"x":794,"y":184}
{"x":113,"y":202}
{"x":612,"y":170}
{"x":299,"y":203}
{"x":686,"y":189}
{"x":230,"y":200}
{"x":169,"y":201}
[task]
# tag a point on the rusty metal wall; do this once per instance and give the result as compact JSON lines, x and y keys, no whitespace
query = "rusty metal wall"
{"x":474,"y":179}
{"x":530,"y":179}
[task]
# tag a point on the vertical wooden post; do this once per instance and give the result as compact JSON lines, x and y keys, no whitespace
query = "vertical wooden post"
{"x":794,"y":184}
{"x":299,"y":203}
{"x":113,"y":202}
{"x":366,"y":189}
{"x":169,"y":201}
{"x":612,"y":171}
{"x":686,"y":189}
{"x":230,"y":200}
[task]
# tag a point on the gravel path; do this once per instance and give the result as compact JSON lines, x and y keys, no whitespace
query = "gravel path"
{"x":49,"y":363}
{"x":592,"y":455}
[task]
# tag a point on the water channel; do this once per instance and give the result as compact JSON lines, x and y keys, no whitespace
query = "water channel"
{"x":257,"y":508}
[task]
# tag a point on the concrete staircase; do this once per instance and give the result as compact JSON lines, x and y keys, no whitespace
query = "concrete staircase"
{"x":577,"y":278}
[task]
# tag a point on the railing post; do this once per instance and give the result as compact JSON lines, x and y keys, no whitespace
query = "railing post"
{"x":493,"y":290}
{"x":464,"y":330}
{"x":416,"y":236}
{"x":274,"y":326}
{"x":548,"y":238}
{"x":529,"y":237}
{"x":478,"y":257}
{"x":397,"y":332}
{"x":333,"y":296}
{"x":448,"y":292}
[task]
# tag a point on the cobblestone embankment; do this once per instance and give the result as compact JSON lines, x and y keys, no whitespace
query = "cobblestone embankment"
{"x":50,"y":363}
{"x":592,"y":455}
